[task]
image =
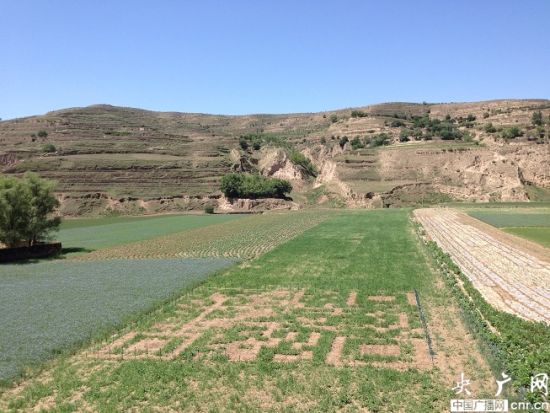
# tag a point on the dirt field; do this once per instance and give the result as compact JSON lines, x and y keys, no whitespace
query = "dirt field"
{"x":512,"y":274}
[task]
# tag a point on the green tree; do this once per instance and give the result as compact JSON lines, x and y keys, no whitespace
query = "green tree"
{"x":236,"y":185}
{"x":356,"y":143}
{"x":404,"y":135}
{"x":537,"y":118}
{"x":49,"y":148}
{"x":231,"y":185}
{"x":243,"y":143}
{"x":26,"y":206}
{"x":511,"y":133}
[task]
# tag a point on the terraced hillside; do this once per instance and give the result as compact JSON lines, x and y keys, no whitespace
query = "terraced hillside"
{"x":133,"y":160}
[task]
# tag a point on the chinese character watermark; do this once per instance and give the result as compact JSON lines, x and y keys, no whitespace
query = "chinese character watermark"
{"x":540,"y":382}
{"x":501,"y":383}
{"x":461,"y":385}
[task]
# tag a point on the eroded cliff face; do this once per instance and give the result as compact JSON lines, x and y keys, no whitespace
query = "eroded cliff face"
{"x":275,"y":163}
{"x":411,"y":174}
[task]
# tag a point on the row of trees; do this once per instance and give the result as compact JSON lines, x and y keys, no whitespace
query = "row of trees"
{"x":26,"y":205}
{"x":238,"y":185}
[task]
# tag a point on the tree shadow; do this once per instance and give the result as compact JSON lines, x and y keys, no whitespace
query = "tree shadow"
{"x":65,"y":252}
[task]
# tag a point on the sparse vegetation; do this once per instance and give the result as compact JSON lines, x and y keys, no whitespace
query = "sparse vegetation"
{"x":358,"y":114}
{"x":333,"y":118}
{"x":489,"y":128}
{"x":42,"y":134}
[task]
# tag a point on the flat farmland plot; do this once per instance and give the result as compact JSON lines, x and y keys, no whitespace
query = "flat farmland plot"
{"x":529,"y":223}
{"x":326,"y":321}
{"x":91,"y":234}
{"x":508,"y":276}
{"x":243,"y":238}
{"x":48,"y":307}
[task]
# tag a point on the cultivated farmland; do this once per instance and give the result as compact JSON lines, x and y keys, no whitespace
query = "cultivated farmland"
{"x":244,"y":238}
{"x":47,"y":308}
{"x":328,"y":320}
{"x":529,"y":223}
{"x":91,"y":234}
{"x":507,"y":275}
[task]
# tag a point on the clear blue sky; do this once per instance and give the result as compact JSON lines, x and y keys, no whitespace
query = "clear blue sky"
{"x":236,"y":57}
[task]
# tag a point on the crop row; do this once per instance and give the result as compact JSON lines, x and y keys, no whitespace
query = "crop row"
{"x":244,"y":238}
{"x":512,"y":344}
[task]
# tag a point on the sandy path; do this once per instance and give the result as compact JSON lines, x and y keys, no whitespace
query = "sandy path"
{"x":501,"y":268}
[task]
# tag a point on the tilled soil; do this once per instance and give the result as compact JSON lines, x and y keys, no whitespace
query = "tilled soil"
{"x":501,"y":268}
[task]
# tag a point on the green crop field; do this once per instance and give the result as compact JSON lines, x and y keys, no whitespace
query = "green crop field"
{"x":91,"y":234}
{"x":327,"y":311}
{"x":325,"y":321}
{"x":529,"y":223}
{"x":49,"y":307}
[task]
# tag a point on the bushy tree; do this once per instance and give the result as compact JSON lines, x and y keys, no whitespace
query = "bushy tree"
{"x":49,"y":148}
{"x":343,"y":140}
{"x":537,"y":118}
{"x":243,"y":143}
{"x":511,"y":133}
{"x":356,"y":143}
{"x":380,"y":140}
{"x":404,"y":135}
{"x":236,"y":185}
{"x":231,"y":185}
{"x":26,"y":206}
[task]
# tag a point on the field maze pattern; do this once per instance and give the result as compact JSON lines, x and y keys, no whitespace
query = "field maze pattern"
{"x":238,"y":325}
{"x":510,"y":279}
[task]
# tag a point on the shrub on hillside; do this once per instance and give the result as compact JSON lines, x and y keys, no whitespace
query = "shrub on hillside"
{"x":404,"y":135}
{"x":358,"y":114}
{"x":397,"y":123}
{"x":511,"y":133}
{"x":537,"y":119}
{"x":243,"y":143}
{"x":379,"y":140}
{"x":236,"y":185}
{"x":333,"y":118}
{"x":42,"y":134}
{"x":356,"y":143}
{"x":303,"y":162}
{"x":343,"y":140}
{"x":49,"y":148}
{"x":489,"y":128}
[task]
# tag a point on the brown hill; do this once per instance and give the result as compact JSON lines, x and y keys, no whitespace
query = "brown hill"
{"x":133,"y":160}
